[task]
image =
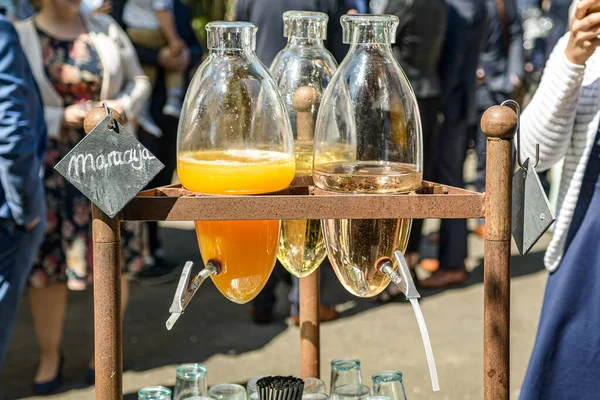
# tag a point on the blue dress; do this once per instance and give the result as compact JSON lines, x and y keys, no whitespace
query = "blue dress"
{"x":565,"y":363}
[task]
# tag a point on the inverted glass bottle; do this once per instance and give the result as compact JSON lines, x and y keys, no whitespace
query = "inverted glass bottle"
{"x":389,"y":384}
{"x":367,"y":140}
{"x":302,"y":71}
{"x":234,"y":138}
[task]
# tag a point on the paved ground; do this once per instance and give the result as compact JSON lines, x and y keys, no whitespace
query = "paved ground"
{"x":220,"y":334}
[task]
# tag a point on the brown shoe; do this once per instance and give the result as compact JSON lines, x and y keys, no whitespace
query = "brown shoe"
{"x":444,"y":277}
{"x":326,"y":314}
{"x":430,"y":264}
{"x":480,"y":230}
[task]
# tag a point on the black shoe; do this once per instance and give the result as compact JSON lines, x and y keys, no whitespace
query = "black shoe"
{"x":157,"y":271}
{"x":48,"y":387}
{"x":90,"y":376}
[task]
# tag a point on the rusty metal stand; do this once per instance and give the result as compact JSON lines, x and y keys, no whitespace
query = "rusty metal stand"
{"x":310,"y":338}
{"x":108,"y":332}
{"x":433,"y":201}
{"x":499,"y":125}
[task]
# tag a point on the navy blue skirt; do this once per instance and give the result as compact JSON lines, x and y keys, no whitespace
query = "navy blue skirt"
{"x":565,"y":363}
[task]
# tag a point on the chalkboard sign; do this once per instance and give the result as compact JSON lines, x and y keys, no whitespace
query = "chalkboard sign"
{"x":109,"y":166}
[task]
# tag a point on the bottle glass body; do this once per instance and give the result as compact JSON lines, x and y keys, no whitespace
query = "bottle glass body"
{"x":227,"y":391}
{"x":234,"y":138}
{"x":389,"y":384}
{"x":154,"y":393}
{"x":190,"y":382}
{"x":354,"y":391}
{"x":367,"y":140}
{"x":302,"y":71}
{"x":344,"y":372}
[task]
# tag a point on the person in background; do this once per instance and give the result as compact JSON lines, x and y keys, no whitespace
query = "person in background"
{"x":77,"y":61}
{"x":22,"y":148}
{"x":361,"y":6}
{"x":562,"y":118}
{"x":418,"y":48}
{"x":500,"y":74}
{"x":267,"y":16}
{"x":156,"y":268}
{"x":151,"y":24}
{"x":465,"y":37}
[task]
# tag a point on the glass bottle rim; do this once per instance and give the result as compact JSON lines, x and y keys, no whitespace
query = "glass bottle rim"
{"x":345,"y":364}
{"x":191,"y":371}
{"x":226,"y":389}
{"x":387,"y":376}
{"x":230,"y":35}
{"x":154,"y":390}
{"x":375,"y":21}
{"x":305,"y":24}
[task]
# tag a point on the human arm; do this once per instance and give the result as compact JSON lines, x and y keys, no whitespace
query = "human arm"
{"x":550,"y":116}
{"x":167,"y":27}
{"x":20,"y":164}
{"x":186,"y":32}
{"x":136,"y":86}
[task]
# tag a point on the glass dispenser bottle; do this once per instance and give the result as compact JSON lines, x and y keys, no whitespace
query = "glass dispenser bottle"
{"x":234,"y":138}
{"x":367,"y":140}
{"x":302,"y":70}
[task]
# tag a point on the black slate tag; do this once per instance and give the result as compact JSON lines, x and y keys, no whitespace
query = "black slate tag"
{"x":109,"y":166}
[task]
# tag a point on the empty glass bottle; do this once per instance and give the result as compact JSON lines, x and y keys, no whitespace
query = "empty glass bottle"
{"x":389,"y":384}
{"x":251,"y":389}
{"x":154,"y":393}
{"x":227,"y":391}
{"x":302,"y":71}
{"x":367,"y":140}
{"x":190,"y":381}
{"x":234,"y":138}
{"x":344,"y":371}
{"x":351,"y":392}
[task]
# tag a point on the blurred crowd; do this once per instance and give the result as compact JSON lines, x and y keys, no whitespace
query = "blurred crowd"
{"x":61,"y":58}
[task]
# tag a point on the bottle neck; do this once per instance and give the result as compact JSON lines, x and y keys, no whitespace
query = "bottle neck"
{"x":231,"y":52}
{"x":305,"y":42}
{"x":356,"y":32}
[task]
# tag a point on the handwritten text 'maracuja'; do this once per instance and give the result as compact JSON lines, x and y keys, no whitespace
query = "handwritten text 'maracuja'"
{"x":135,"y":158}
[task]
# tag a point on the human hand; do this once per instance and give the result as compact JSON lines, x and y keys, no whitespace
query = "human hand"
{"x":105,"y":8}
{"x":585,"y":29}
{"x":176,"y":46}
{"x":33,"y":223}
{"x":117,"y":106}
{"x":74,"y":115}
{"x":516,"y":81}
{"x":174,"y":63}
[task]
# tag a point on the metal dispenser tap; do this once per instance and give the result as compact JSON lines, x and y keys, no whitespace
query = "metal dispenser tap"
{"x":187,"y":288}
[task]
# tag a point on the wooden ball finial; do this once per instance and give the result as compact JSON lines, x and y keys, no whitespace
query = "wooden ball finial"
{"x":95,"y":115}
{"x":304,"y":98}
{"x":499,"y":122}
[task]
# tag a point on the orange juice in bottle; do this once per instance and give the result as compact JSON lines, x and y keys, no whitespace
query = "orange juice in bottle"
{"x":246,"y":249}
{"x":234,"y":138}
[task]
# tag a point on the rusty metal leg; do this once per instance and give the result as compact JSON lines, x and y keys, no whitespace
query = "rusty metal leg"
{"x":309,"y":326}
{"x":108,"y":340}
{"x":498,"y":124}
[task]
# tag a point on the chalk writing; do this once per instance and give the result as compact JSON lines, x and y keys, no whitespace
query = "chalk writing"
{"x":86,"y":163}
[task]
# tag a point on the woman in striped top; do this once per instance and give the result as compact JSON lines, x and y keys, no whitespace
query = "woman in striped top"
{"x":563,"y":117}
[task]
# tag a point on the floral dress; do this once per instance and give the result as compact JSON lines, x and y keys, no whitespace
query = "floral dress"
{"x":75,"y":70}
